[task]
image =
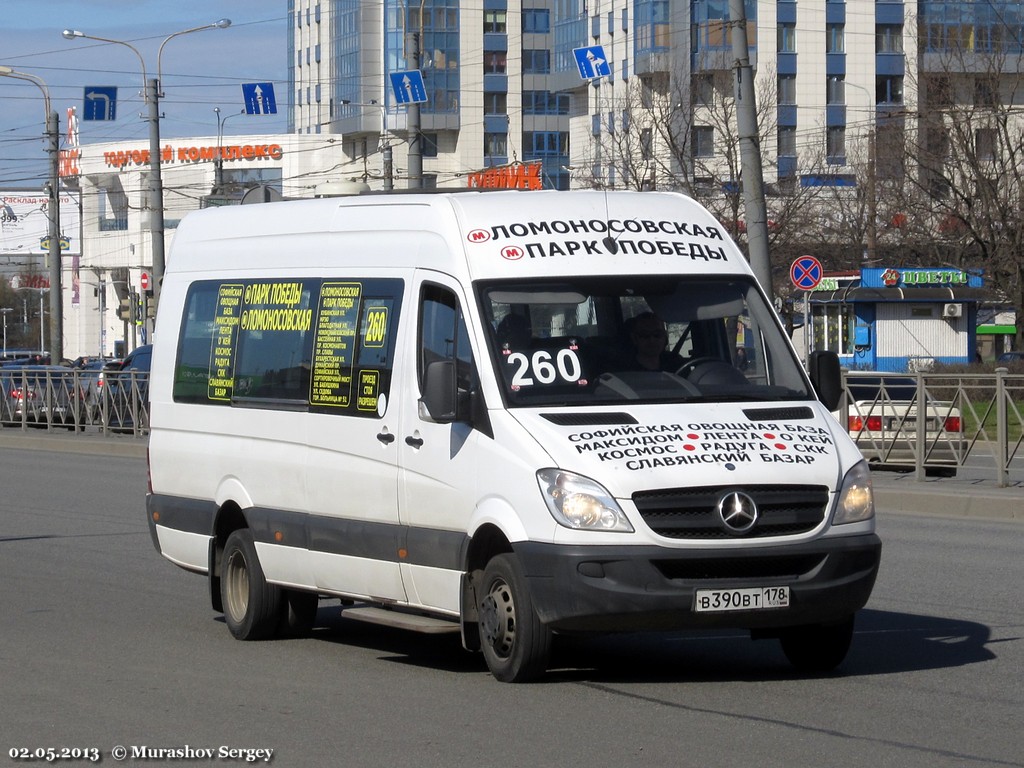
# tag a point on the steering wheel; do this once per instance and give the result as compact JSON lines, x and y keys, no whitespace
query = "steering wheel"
{"x":688,"y":367}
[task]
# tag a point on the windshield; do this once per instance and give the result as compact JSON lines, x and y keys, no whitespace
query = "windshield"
{"x":662,"y":338}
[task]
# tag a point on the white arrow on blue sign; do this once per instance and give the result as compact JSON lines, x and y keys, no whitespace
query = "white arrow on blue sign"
{"x":100,"y":102}
{"x":408,"y":87}
{"x":259,"y":98}
{"x":592,"y":62}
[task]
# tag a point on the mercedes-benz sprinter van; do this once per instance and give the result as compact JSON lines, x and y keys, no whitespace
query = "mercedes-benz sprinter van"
{"x":507,"y":414}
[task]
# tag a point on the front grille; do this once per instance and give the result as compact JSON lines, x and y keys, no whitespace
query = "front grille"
{"x":773,"y":567}
{"x":689,"y":513}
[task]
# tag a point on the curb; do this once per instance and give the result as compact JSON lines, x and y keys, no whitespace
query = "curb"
{"x":94,"y":444}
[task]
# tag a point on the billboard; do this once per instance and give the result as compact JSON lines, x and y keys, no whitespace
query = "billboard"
{"x":25,"y":222}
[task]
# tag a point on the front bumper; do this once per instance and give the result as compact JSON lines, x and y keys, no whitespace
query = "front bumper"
{"x":598,"y":588}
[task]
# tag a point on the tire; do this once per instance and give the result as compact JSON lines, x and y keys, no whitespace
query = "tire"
{"x":817,"y":648}
{"x":252,"y":608}
{"x":515,"y":644}
{"x":298,"y":612}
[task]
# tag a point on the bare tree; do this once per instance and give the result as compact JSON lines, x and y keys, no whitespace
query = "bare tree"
{"x":963,"y":203}
{"x":679,"y":133}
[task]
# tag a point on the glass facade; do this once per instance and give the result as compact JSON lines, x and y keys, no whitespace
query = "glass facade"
{"x":971,"y":26}
{"x":438,"y":30}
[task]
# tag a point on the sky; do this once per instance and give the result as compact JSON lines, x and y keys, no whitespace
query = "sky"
{"x":201,"y":71}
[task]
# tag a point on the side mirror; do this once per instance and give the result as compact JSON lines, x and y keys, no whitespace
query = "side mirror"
{"x":827,"y":378}
{"x":440,"y":395}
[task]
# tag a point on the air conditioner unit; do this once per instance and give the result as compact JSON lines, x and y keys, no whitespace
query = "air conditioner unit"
{"x":952,"y":310}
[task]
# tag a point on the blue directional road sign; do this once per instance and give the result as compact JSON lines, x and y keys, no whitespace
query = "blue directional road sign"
{"x":408,"y":87}
{"x":259,"y":98}
{"x":592,"y":62}
{"x":100,"y":102}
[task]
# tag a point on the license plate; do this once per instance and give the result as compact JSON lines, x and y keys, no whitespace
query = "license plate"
{"x":747,"y":599}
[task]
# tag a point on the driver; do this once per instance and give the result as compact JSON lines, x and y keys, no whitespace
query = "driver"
{"x":650,"y":339}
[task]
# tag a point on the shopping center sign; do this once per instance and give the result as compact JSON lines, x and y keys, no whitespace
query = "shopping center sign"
{"x":194,"y":154}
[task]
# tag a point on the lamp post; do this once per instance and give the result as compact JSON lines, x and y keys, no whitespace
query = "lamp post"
{"x":151,"y":95}
{"x":218,"y":173}
{"x":53,"y":212}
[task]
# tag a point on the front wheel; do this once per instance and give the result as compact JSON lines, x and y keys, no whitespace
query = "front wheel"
{"x":818,"y":647}
{"x":252,"y":607}
{"x":515,"y":643}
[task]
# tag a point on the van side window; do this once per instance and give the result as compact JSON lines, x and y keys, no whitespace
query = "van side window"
{"x":322,"y":344}
{"x":443,"y":334}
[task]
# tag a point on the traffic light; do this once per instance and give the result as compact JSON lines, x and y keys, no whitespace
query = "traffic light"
{"x":124,"y":310}
{"x":151,"y":310}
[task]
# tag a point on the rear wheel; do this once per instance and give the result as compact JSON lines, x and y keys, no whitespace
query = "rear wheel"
{"x":252,"y":607}
{"x":818,"y":647}
{"x":515,"y":643}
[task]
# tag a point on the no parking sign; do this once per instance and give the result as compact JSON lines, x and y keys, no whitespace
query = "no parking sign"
{"x":805,"y":273}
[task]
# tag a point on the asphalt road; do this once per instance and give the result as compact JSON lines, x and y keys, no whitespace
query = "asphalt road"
{"x":105,"y":645}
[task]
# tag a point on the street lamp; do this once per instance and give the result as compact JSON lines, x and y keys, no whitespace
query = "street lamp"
{"x":218,"y":175}
{"x":152,"y":94}
{"x":56,"y":293}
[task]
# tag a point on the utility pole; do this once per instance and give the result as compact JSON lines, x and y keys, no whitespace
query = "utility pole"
{"x":756,"y":211}
{"x":415,"y":139}
{"x":56,"y":288}
{"x":156,"y":183}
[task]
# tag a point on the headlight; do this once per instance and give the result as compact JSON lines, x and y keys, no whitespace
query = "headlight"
{"x":578,"y":502}
{"x":856,"y":499}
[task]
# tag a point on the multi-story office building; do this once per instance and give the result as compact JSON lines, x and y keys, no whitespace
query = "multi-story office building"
{"x":487,"y":72}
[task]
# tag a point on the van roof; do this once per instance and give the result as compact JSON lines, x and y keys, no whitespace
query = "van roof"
{"x":491,"y":234}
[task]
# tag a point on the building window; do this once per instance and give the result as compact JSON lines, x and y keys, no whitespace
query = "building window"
{"x":985,"y":141}
{"x":495,"y":103}
{"x":835,"y":143}
{"x":536,"y":62}
{"x":537,"y":20}
{"x":835,"y":89}
{"x":495,"y":62}
{"x":787,"y":89}
{"x":835,"y":41}
{"x":889,"y":89}
{"x":889,"y":38}
{"x":787,"y":38}
{"x":787,"y":141}
{"x":495,"y":21}
{"x":833,"y":327}
{"x":703,"y":89}
{"x":545,"y":143}
{"x":702,"y":141}
{"x":428,"y":144}
{"x":647,"y":144}
{"x":545,"y":103}
{"x":495,"y":145}
{"x":985,"y":92}
{"x":938,"y":91}
{"x":651,"y":25}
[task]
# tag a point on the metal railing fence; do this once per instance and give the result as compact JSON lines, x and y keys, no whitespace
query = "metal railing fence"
{"x":967,"y":416}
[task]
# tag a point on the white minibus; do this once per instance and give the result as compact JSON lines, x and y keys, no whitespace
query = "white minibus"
{"x":509,"y":415}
